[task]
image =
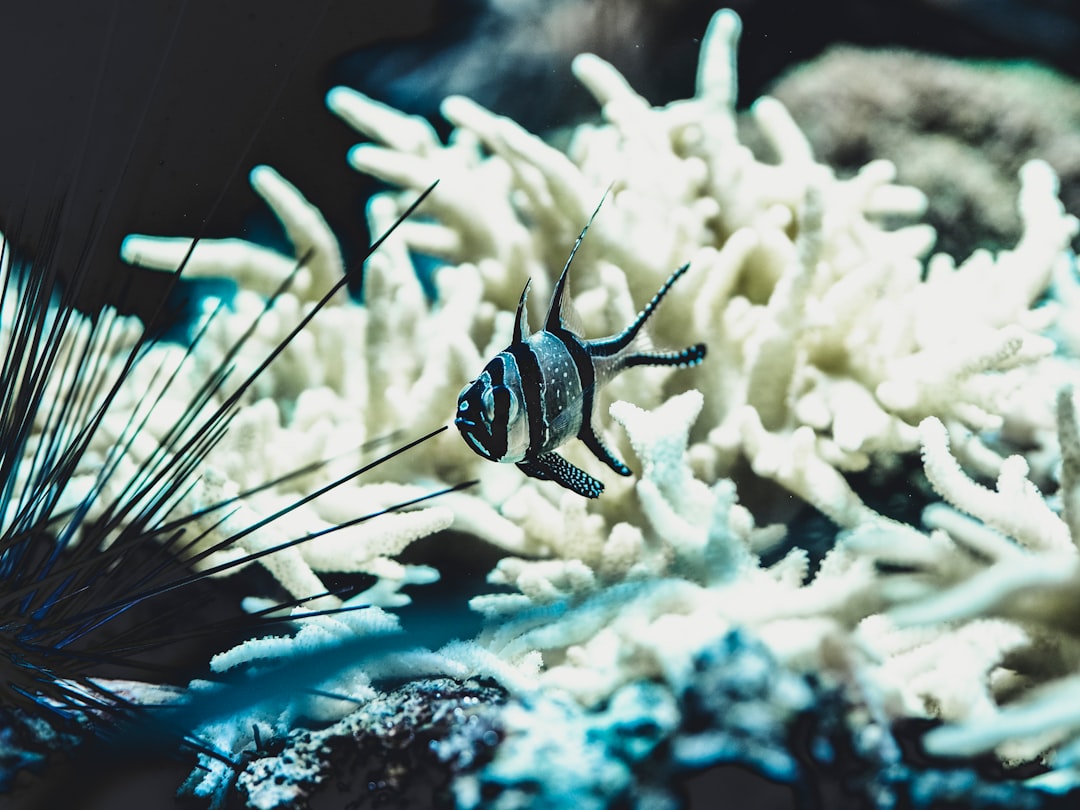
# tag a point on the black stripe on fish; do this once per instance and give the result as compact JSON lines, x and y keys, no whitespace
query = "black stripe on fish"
{"x":528,"y":367}
{"x":580,"y":353}
{"x":496,"y":371}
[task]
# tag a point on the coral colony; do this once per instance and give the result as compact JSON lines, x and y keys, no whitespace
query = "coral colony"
{"x":676,"y":622}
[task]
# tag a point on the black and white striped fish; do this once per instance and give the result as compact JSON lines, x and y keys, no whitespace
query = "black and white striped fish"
{"x":539,"y":392}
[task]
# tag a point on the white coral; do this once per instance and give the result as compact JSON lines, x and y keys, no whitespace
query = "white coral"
{"x":693,"y":576}
{"x":834,"y":344}
{"x":827,"y":344}
{"x":294,"y":430}
{"x":985,"y":605}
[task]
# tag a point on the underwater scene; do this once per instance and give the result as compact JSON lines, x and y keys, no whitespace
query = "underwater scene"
{"x":508,"y":404}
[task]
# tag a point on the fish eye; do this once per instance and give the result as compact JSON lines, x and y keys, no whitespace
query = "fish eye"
{"x":487,"y":404}
{"x":498,"y":397}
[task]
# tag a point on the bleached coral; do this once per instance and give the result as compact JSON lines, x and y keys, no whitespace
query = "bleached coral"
{"x":827,"y":343}
{"x":829,"y":339}
{"x":982,"y":630}
{"x":834,"y":345}
{"x":695,"y":576}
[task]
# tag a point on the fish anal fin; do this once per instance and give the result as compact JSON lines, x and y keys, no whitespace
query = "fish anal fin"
{"x":601,"y":451}
{"x":553,"y":467}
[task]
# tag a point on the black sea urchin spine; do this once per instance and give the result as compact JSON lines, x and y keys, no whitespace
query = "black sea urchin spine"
{"x":56,"y":594}
{"x":93,"y":587}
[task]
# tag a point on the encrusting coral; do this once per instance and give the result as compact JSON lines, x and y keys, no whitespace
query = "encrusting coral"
{"x":835,"y":346}
{"x":958,"y":129}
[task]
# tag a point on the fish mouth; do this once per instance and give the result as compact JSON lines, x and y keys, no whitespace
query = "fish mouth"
{"x":469,"y":434}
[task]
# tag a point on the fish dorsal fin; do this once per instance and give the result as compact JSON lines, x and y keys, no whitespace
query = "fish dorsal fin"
{"x":561,"y":313}
{"x":521,"y":330}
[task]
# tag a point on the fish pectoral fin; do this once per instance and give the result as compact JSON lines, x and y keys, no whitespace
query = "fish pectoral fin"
{"x":553,"y":467}
{"x":599,"y":449}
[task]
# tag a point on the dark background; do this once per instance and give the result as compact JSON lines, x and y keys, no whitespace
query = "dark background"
{"x":146,"y":115}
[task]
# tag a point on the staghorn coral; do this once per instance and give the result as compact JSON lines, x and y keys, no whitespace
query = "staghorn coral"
{"x":982,"y":630}
{"x":688,"y":573}
{"x":830,"y":345}
{"x":287,"y":430}
{"x":827,"y":344}
{"x":836,"y":346}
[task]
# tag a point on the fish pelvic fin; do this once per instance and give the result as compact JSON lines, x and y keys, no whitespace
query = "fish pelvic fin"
{"x":553,"y":467}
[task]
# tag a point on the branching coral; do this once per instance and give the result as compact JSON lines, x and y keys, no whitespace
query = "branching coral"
{"x":830,"y":343}
{"x":694,"y":575}
{"x":983,"y":631}
{"x":827,"y":344}
{"x":833,"y":348}
{"x":292,"y":434}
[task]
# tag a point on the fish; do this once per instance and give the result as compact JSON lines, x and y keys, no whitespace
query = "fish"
{"x":539,"y":393}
